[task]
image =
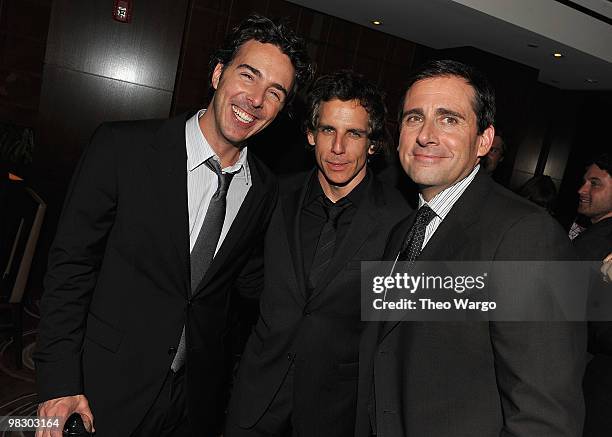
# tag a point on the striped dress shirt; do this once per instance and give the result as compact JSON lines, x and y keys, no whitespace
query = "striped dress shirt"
{"x":443,"y":202}
{"x":202,"y":182}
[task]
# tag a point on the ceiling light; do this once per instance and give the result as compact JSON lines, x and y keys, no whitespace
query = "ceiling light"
{"x":533,"y":46}
{"x":589,"y":80}
{"x":558,"y":55}
{"x":376,"y":22}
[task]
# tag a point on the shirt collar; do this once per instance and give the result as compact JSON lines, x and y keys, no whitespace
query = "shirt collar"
{"x":443,"y":202}
{"x":315,"y":191}
{"x":198,"y":149}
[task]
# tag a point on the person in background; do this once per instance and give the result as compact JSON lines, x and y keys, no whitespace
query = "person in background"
{"x":495,"y":155}
{"x":595,"y":244}
{"x":540,"y":190}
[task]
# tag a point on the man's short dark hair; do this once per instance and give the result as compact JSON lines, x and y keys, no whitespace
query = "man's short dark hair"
{"x":484,"y":95}
{"x":603,"y":162}
{"x":346,"y":85}
{"x":264,"y":30}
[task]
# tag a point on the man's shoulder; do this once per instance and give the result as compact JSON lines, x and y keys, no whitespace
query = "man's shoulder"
{"x":595,"y":242}
{"x":498,"y":205}
{"x":511,"y":204}
{"x":266,"y":175}
{"x":389,"y":199}
{"x":292,"y":182}
{"x":143,"y":128}
{"x":520,"y":228}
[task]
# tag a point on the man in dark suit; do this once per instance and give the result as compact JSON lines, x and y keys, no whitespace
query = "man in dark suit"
{"x":298,"y":374}
{"x":594,"y":244}
{"x":135,"y":308}
{"x":467,"y":378}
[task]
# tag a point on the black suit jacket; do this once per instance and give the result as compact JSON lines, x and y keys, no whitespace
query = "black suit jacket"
{"x":477,"y":378}
{"x":118,"y":283}
{"x":594,"y":244}
{"x":319,"y":333}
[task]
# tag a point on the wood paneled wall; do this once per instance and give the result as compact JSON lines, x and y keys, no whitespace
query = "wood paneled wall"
{"x":96,"y":70}
{"x":23,"y":37}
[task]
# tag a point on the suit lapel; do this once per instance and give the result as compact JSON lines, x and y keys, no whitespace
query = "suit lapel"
{"x":292,"y":207}
{"x":245,"y":214}
{"x":362,"y":226}
{"x":454,"y":232}
{"x":167,"y":161}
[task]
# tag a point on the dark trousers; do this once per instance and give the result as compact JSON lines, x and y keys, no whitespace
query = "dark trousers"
{"x":276,"y":421}
{"x":167,"y":417}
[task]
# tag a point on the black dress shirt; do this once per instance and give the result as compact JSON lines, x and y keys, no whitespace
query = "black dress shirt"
{"x":313,"y":217}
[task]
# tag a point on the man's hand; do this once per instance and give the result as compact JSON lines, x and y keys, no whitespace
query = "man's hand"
{"x":606,"y":268}
{"x":63,"y":408}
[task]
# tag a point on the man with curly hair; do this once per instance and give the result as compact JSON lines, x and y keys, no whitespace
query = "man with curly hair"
{"x":153,"y":236}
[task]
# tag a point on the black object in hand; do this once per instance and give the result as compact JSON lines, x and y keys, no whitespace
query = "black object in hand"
{"x":74,"y":427}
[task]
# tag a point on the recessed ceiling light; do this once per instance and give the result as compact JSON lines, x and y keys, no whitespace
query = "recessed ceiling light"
{"x":589,"y":80}
{"x":558,"y":55}
{"x":376,"y":22}
{"x":533,"y":46}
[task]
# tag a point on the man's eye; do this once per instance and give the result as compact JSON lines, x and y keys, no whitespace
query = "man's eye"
{"x":413,"y":119}
{"x":354,"y":134}
{"x":450,"y":120}
{"x":327,"y":130}
{"x":275,"y":95}
{"x":247,"y":76}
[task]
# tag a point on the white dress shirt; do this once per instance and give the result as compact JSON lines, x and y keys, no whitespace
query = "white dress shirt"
{"x":443,"y":202}
{"x":202,"y":182}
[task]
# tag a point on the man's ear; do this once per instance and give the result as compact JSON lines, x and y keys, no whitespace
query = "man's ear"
{"x":485,"y":140}
{"x":216,"y":76}
{"x":311,"y":138}
{"x":371,"y":149}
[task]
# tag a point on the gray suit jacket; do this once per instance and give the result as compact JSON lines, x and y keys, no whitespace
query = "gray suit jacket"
{"x":485,"y":379}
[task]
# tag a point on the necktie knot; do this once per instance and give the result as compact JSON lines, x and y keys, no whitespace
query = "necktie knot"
{"x":424,"y":216}
{"x":416,"y":236}
{"x":223,"y":179}
{"x":333,"y":210}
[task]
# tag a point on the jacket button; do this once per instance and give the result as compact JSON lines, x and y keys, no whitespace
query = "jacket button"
{"x":171,"y":350}
{"x":306,"y":312}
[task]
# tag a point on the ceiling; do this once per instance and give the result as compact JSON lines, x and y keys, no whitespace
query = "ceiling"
{"x":508,"y":28}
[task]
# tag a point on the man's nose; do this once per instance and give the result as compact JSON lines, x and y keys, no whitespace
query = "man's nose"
{"x":428,"y":134}
{"x":256,"y":96}
{"x":338,"y":145}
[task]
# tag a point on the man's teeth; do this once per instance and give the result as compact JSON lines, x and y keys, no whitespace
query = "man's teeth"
{"x":241,"y":115}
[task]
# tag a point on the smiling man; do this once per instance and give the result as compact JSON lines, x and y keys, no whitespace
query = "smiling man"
{"x":298,"y":374}
{"x":468,"y":379}
{"x":160,"y":219}
{"x":595,"y":193}
{"x":595,"y":243}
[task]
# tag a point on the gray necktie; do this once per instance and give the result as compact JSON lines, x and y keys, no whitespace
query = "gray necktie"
{"x":204,"y":248}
